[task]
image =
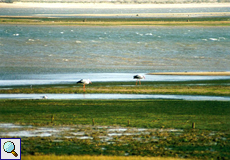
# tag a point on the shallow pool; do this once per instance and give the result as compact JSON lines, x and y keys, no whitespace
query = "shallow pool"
{"x":113,"y":96}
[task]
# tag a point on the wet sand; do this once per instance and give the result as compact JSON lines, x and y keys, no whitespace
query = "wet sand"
{"x":192,"y":73}
{"x":109,"y":5}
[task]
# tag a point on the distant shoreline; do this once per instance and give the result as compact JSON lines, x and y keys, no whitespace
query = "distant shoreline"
{"x":192,"y":73}
{"x":160,"y":19}
{"x":20,"y":5}
{"x":109,"y":5}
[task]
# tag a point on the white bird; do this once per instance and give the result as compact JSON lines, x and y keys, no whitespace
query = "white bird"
{"x":44,"y":97}
{"x":138,"y":77}
{"x":84,"y":82}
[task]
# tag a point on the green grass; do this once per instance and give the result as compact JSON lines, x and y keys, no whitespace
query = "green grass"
{"x":209,"y":115}
{"x":210,"y":87}
{"x":210,"y":139}
{"x":190,"y":144}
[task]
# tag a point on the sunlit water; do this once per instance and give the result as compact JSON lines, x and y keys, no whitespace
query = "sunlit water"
{"x":36,"y":54}
{"x":39,"y":49}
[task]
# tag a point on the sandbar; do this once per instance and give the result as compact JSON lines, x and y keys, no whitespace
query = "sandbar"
{"x":109,"y":5}
{"x":192,"y":73}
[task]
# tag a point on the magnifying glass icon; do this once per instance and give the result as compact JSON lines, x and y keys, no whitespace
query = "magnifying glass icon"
{"x":9,"y":147}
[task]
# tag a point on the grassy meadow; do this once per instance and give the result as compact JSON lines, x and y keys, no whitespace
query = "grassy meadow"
{"x":209,"y":115}
{"x":200,"y":87}
{"x":209,"y":139}
{"x":170,"y":128}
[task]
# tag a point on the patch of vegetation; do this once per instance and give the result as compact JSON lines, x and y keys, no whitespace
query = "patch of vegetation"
{"x":209,"y":140}
{"x":88,"y":157}
{"x":209,"y":87}
{"x":209,"y":115}
{"x":192,"y":144}
{"x":207,"y":21}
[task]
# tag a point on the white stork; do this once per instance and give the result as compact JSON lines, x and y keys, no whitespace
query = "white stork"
{"x":138,"y":77}
{"x":44,"y":97}
{"x":84,"y":82}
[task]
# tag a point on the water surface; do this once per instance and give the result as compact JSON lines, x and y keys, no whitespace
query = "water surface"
{"x":76,"y":12}
{"x":65,"y":54}
{"x":113,"y":96}
{"x":41,"y":79}
{"x":62,"y":49}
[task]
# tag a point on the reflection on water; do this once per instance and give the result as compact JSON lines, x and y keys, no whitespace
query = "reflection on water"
{"x":113,"y":96}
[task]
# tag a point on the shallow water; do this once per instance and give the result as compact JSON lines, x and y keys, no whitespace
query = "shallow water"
{"x":33,"y":55}
{"x":138,"y":49}
{"x":75,"y":131}
{"x":113,"y":96}
{"x":40,"y":79}
{"x":75,"y":12}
